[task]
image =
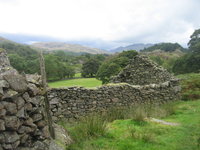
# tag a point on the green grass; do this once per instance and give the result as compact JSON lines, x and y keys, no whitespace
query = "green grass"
{"x":190,"y":86}
{"x":77,"y":75}
{"x":83,"y":82}
{"x":128,"y":134}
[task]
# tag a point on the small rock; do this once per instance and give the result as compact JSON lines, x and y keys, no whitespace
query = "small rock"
{"x":54,"y":146}
{"x":41,"y":124}
{"x":21,"y":113}
{"x":2,"y":138}
{"x":20,"y":102}
{"x":7,"y":146}
{"x":40,"y":146}
{"x":33,"y":89}
{"x":45,"y":132}
{"x":26,"y":97}
{"x":28,"y":107}
{"x":12,"y":122}
{"x":11,"y":108}
{"x":2,"y":125}
{"x":2,"y":113}
{"x":9,"y":93}
{"x":15,"y":81}
{"x":23,"y":138}
{"x":11,"y":137}
{"x":24,"y":129}
{"x":4,"y":83}
{"x":37,"y":117}
{"x":34,"y":78}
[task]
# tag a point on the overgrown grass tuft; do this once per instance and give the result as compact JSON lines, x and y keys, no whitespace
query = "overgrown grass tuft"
{"x":114,"y":113}
{"x":88,"y":127}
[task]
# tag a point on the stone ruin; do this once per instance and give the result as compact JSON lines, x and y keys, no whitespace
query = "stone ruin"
{"x":22,"y":119}
{"x":142,"y":71}
{"x":142,"y":81}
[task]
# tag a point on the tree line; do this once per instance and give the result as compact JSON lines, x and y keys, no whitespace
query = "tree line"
{"x":61,"y":65}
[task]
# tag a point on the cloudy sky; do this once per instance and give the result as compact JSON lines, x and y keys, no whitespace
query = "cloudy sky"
{"x":101,"y":23}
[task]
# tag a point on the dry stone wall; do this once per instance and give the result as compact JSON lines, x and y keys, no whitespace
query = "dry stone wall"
{"x":77,"y":101}
{"x":22,"y":120}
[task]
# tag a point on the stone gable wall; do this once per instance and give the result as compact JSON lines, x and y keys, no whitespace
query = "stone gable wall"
{"x":22,"y":122}
{"x":142,"y":71}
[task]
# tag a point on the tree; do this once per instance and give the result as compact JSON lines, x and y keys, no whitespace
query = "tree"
{"x":167,"y":47}
{"x":90,"y":68}
{"x":114,"y":65}
{"x":106,"y":71}
{"x":191,"y":61}
{"x":194,"y":43}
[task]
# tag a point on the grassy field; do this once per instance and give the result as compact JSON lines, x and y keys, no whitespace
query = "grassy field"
{"x":131,"y":134}
{"x":77,"y":75}
{"x":84,"y":82}
{"x":133,"y":129}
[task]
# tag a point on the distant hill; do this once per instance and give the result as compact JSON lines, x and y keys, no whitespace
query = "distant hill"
{"x":4,"y":40}
{"x":16,"y":48}
{"x":136,"y":47}
{"x":52,"y":46}
{"x":167,"y":47}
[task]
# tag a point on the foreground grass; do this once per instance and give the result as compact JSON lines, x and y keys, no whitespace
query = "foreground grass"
{"x":84,"y":82}
{"x":133,"y":134}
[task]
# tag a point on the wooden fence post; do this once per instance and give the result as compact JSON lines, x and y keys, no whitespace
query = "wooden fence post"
{"x":47,"y":105}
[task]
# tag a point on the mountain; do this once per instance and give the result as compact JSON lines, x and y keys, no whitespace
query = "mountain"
{"x":53,"y":46}
{"x":11,"y":47}
{"x":167,"y":47}
{"x":3,"y":40}
{"x":137,"y":47}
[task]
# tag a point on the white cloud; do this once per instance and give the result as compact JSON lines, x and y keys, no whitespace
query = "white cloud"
{"x":107,"y":20}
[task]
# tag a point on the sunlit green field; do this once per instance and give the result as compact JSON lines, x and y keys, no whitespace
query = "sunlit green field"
{"x":83,"y":82}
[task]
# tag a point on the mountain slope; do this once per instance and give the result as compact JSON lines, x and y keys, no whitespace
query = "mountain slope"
{"x":52,"y":46}
{"x":137,"y":47}
{"x":167,"y":47}
{"x":16,"y":48}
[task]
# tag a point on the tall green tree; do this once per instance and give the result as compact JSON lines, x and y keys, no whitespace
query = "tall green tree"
{"x":90,"y":68}
{"x":113,"y":65}
{"x":194,"y":43}
{"x":191,"y":61}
